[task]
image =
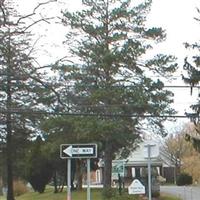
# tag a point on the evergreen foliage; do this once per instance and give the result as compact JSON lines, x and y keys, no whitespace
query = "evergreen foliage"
{"x":192,"y":68}
{"x":108,"y":41}
{"x":38,"y":168}
{"x":184,"y":179}
{"x":23,"y":86}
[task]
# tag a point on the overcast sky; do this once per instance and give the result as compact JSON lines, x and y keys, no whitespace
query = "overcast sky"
{"x":175,"y":16}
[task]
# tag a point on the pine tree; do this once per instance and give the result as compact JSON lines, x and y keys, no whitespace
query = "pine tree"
{"x":111,"y":80}
{"x":191,"y":66}
{"x":39,"y":169}
{"x":22,"y":86}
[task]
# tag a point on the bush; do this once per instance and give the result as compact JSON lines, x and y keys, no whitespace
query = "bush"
{"x":184,"y":179}
{"x":38,"y":168}
{"x":19,"y":188}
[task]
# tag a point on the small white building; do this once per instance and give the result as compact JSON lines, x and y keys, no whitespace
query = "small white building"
{"x":136,"y":163}
{"x":135,"y":166}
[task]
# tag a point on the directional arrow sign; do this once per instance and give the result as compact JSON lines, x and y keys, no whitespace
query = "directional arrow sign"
{"x":78,"y":151}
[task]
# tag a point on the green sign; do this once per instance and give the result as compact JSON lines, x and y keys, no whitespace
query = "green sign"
{"x":117,"y":168}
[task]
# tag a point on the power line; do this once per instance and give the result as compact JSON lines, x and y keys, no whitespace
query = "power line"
{"x":17,"y":111}
{"x":126,"y":86}
{"x":181,"y":86}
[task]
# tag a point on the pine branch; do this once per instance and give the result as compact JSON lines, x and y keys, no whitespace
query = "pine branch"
{"x":47,"y":86}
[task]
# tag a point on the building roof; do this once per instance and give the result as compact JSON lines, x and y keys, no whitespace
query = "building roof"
{"x":138,"y":157}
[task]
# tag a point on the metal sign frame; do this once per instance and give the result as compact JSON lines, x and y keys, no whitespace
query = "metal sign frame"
{"x":77,"y":147}
{"x":80,"y":151}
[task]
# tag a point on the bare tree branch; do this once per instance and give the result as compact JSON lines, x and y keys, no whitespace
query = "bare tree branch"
{"x":49,"y":66}
{"x":45,"y":20}
{"x":34,"y":10}
{"x":48,"y":86}
{"x":3,"y":13}
{"x":63,"y":59}
{"x":32,"y":48}
{"x":43,"y":3}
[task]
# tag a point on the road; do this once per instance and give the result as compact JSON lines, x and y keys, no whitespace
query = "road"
{"x":183,"y":192}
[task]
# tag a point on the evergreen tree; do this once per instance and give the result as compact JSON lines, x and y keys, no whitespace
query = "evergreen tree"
{"x":22,"y":86}
{"x":65,"y":129}
{"x":191,"y":66}
{"x":108,"y":41}
{"x":39,"y":169}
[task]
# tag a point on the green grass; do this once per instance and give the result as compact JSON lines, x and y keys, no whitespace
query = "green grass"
{"x":49,"y":195}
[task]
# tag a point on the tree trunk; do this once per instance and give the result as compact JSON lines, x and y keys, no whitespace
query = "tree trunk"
{"x":79,"y":175}
{"x":55,"y":182}
{"x":107,"y":165}
{"x":9,"y":147}
{"x":10,"y":192}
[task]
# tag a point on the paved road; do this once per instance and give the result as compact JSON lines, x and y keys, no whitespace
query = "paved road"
{"x":185,"y":193}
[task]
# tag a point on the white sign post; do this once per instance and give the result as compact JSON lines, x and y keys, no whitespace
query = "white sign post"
{"x":69,"y":179}
{"x":136,"y":187}
{"x":88,"y":179}
{"x":150,"y":151}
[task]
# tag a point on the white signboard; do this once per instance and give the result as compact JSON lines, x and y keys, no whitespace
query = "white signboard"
{"x":136,"y":187}
{"x":78,"y":151}
{"x":154,"y":150}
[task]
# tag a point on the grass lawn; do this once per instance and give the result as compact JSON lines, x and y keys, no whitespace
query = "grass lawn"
{"x":49,"y":195}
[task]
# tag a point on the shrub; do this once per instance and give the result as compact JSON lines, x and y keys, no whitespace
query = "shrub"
{"x":38,"y":168}
{"x":40,"y":178}
{"x":184,"y":179}
{"x":19,"y":188}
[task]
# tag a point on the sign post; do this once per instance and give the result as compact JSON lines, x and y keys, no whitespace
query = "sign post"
{"x":88,"y":179}
{"x":69,"y":179}
{"x":152,"y":151}
{"x":69,"y":151}
{"x":149,"y":170}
